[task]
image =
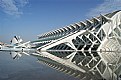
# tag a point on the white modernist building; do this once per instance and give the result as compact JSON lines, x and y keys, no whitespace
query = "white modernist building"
{"x":89,"y":50}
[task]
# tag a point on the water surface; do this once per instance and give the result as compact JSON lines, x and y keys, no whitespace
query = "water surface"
{"x":27,"y":68}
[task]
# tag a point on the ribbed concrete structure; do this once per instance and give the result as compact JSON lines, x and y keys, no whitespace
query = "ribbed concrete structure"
{"x":89,"y":50}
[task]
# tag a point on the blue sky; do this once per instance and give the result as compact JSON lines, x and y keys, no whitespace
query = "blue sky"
{"x":29,"y":18}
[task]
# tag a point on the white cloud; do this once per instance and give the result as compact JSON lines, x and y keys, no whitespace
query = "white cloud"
{"x":21,"y":3}
{"x":106,"y":7}
{"x":13,"y":7}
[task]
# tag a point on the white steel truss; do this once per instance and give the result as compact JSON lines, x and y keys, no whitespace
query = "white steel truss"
{"x":89,"y":50}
